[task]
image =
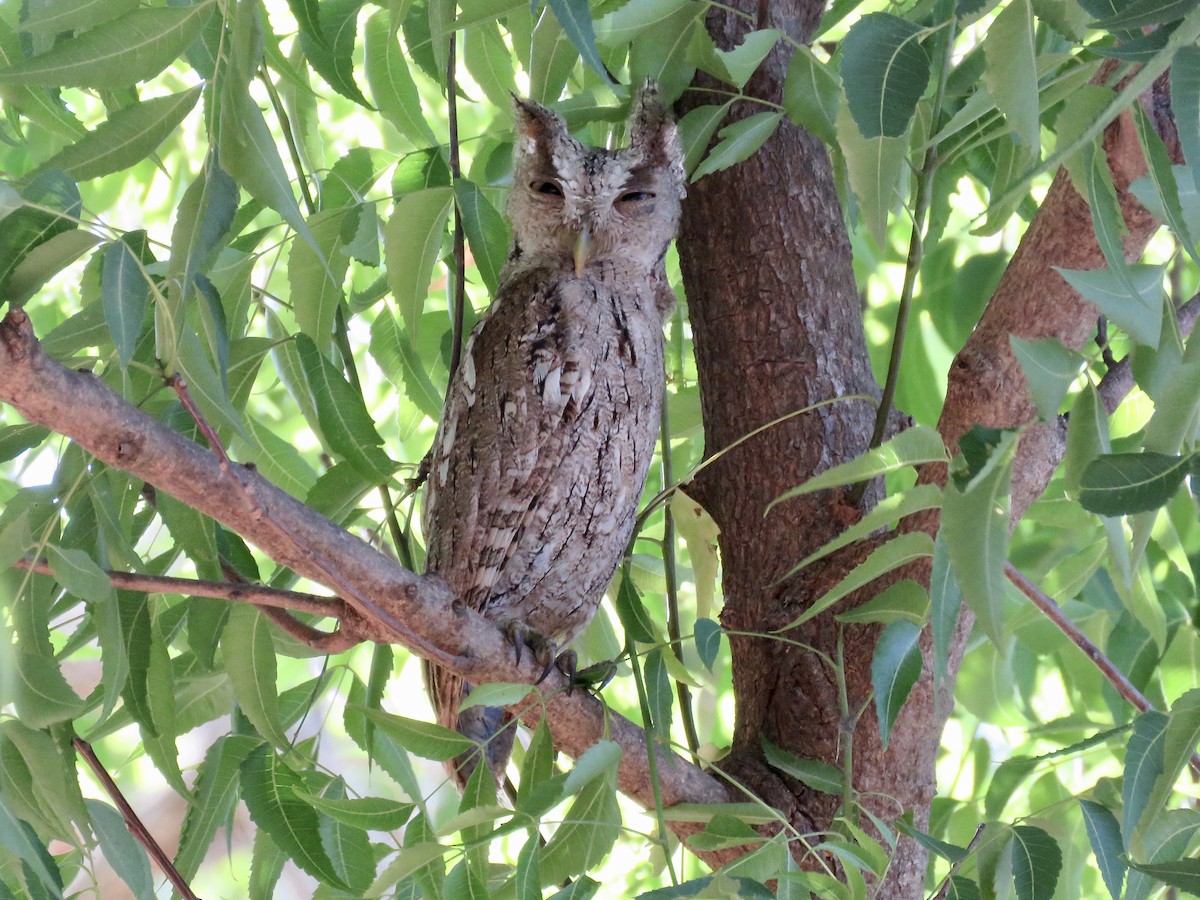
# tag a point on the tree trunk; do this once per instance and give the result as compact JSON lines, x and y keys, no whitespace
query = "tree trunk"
{"x":777,"y":326}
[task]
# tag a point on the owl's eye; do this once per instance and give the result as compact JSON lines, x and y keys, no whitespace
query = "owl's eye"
{"x":635,"y":196}
{"x":548,"y":188}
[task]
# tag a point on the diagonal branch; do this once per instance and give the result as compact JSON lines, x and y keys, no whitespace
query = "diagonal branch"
{"x":384,"y":602}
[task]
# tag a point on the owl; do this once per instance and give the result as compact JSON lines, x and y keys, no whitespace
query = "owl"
{"x":550,"y":422}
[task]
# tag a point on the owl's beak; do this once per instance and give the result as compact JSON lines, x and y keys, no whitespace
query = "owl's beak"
{"x":582,"y":250}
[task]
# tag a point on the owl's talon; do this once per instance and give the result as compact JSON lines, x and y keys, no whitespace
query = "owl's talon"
{"x":568,"y":664}
{"x":544,"y":649}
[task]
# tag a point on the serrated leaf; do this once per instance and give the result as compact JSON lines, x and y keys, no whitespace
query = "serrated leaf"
{"x":587,"y":833}
{"x":696,"y":130}
{"x":885,"y":70}
{"x":390,"y":83}
{"x":79,"y":574}
{"x":1012,"y":75}
{"x":659,"y":698}
{"x":269,"y":792}
{"x":495,"y":694}
{"x":327,"y":33}
{"x":345,"y":422}
{"x":125,"y":292}
{"x":249,"y":653}
{"x":72,"y":15}
{"x":895,"y":667}
{"x":119,"y":53}
{"x":632,"y":612}
{"x":393,"y":351}
{"x":811,"y":94}
{"x":975,"y":529}
{"x":575,"y":17}
{"x":899,"y":551}
{"x":1144,"y":13}
{"x":1049,"y":370}
{"x":316,"y":272}
{"x":1138,"y":316}
{"x":1104,"y":835}
{"x":818,"y":775}
{"x":121,"y":851}
{"x":912,"y":447}
{"x":423,"y":739}
{"x":735,"y":66}
{"x":490,"y":63}
{"x":366,"y":813}
{"x":1185,"y":100}
{"x":738,"y":141}
{"x":1036,"y":861}
{"x":486,"y":231}
{"x":1180,"y":873}
{"x":905,"y":601}
{"x":1117,"y":484}
{"x":962,"y":888}
{"x":213,"y":797}
{"x":708,"y":641}
{"x":53,"y":205}
{"x":126,"y":137}
{"x":412,"y":242}
{"x":1143,"y":766}
{"x":945,"y":607}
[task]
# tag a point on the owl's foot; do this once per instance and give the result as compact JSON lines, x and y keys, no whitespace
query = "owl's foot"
{"x":545,"y":651}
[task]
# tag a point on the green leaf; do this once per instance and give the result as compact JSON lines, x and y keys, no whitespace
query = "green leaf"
{"x":345,"y":422}
{"x":249,"y":653}
{"x":708,"y":641}
{"x":1049,"y":369}
{"x":1104,"y":835}
{"x":327,"y":33}
{"x":1087,"y":437}
{"x":126,"y":291}
{"x":1185,"y":101}
{"x":316,"y":272}
{"x":696,"y":130}
{"x":975,"y":529}
{"x":738,"y":141}
{"x":126,"y":137}
{"x":1036,"y":862}
{"x":269,"y":792}
{"x":121,"y":851}
{"x":1168,"y":838}
{"x":659,"y":698}
{"x":632,"y":612}
{"x":393,"y":351}
{"x":905,"y":600}
{"x":588,"y":830}
{"x":43,"y":695}
{"x":1012,"y":75}
{"x":575,"y":17}
{"x":1179,"y":742}
{"x":1143,"y":766}
{"x":215,"y":792}
{"x":735,"y":66}
{"x":1144,"y":13}
{"x":1180,"y":873}
{"x":390,"y":83}
{"x":527,"y":878}
{"x":73,"y":15}
{"x":951,"y":852}
{"x":962,"y":888}
{"x":367,"y":813}
{"x":945,"y":607}
{"x":52,"y":206}
{"x":1141,"y":319}
{"x":412,"y":243}
{"x":423,"y":739}
{"x":1117,"y":484}
{"x":486,"y":230}
{"x":540,"y":788}
{"x":811,"y":94}
{"x":818,"y":775}
{"x":1162,"y":175}
{"x":489,"y":62}
{"x":79,"y":574}
{"x":497,"y":693}
{"x":885,"y":70}
{"x":899,"y":551}
{"x":895,"y":668}
{"x":119,"y":53}
{"x":911,"y":447}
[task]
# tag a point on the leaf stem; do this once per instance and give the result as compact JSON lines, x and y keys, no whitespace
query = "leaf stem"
{"x":288,"y":138}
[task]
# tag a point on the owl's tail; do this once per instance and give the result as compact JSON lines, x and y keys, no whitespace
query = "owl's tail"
{"x":491,"y":727}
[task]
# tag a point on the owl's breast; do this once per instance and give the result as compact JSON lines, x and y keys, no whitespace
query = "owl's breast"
{"x":544,"y":448}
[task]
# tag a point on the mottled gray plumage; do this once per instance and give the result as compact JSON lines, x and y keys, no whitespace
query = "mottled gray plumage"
{"x":550,"y":422}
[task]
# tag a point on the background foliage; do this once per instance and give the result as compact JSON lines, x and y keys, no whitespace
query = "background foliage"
{"x":262,"y":198}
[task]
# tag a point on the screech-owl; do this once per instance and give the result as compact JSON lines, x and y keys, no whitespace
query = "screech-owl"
{"x":550,"y":422}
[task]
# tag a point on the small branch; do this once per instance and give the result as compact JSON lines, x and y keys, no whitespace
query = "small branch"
{"x":1111,"y":673}
{"x":140,"y":832}
{"x":384,"y":602}
{"x":458,"y":295}
{"x":259,"y":595}
{"x":941,"y":894}
{"x":1118,"y":380}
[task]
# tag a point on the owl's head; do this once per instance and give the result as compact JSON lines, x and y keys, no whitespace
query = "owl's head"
{"x":574,"y":206}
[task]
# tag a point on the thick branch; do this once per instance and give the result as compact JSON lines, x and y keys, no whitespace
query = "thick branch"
{"x":384,"y":601}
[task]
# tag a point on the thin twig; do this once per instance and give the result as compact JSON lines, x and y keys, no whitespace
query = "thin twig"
{"x":941,"y":894}
{"x":458,"y":298}
{"x":140,"y":832}
{"x":179,"y":386}
{"x":1112,"y":674}
{"x":1118,"y":380}
{"x":289,"y":138}
{"x":259,"y":595}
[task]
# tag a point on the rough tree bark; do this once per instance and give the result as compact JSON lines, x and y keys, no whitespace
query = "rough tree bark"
{"x":777,"y":326}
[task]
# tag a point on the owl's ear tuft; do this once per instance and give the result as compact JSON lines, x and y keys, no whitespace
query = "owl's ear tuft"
{"x":536,"y":127}
{"x":653,"y":132}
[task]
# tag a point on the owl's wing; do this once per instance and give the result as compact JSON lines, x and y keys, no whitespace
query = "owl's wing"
{"x":525,"y":377}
